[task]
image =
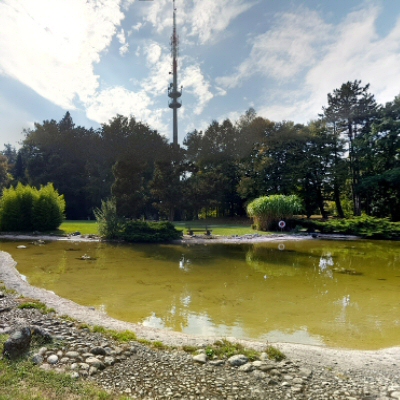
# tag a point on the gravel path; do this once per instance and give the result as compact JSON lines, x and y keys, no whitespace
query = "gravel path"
{"x":309,"y":372}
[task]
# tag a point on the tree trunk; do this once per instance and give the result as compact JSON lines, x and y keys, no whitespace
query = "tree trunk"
{"x":338,"y":203}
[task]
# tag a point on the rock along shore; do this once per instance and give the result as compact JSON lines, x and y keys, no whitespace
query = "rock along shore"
{"x":309,"y":372}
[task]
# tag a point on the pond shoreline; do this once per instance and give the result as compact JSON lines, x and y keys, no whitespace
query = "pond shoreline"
{"x":374,"y":362}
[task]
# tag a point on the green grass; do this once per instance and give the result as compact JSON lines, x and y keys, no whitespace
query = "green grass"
{"x":84,"y":227}
{"x":36,"y":305}
{"x":225,"y":349}
{"x":220,"y":227}
{"x":124,"y":336}
{"x":22,"y":380}
{"x":274,"y":353}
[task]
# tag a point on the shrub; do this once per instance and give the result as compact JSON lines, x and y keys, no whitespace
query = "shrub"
{"x":108,"y":220}
{"x":26,"y":208}
{"x":111,"y":226}
{"x":364,"y":226}
{"x":266,"y":211}
{"x":141,"y":231}
{"x":48,"y":209}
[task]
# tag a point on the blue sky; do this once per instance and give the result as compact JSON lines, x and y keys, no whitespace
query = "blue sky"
{"x":97,"y":58}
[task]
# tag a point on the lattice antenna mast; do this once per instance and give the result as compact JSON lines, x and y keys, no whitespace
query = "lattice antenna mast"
{"x":173,"y":91}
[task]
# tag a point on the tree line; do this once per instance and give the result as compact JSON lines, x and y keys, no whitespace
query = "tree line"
{"x":346,"y":161}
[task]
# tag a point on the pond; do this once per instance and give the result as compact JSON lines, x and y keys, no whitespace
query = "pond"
{"x":335,"y":293}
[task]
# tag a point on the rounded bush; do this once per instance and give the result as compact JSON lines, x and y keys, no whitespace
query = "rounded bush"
{"x":26,"y":208}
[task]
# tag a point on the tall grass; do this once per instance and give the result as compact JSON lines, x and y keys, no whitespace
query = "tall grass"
{"x":266,"y":211}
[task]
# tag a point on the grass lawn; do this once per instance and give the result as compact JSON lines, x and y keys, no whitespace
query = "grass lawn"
{"x":84,"y":227}
{"x":222,"y":227}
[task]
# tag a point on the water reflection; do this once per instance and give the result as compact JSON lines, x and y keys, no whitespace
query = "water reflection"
{"x":300,"y":292}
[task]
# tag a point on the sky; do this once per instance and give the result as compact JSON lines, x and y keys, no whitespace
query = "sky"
{"x":100,"y":58}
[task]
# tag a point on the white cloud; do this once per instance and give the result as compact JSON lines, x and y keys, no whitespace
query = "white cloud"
{"x":201,"y":19}
{"x":153,"y":53}
{"x":122,"y":40}
{"x":136,"y":27}
{"x":194,"y":82}
{"x":359,"y":53}
{"x":39,"y":48}
{"x":158,"y":77}
{"x":286,"y":49}
{"x":117,"y":100}
{"x":323,"y":57}
{"x":210,"y":17}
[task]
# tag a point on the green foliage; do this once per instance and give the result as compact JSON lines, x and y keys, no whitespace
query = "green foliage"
{"x":225,"y":349}
{"x":26,"y":208}
{"x":109,"y":223}
{"x":141,"y":231}
{"x":124,"y":336}
{"x":111,"y":226}
{"x":22,"y":380}
{"x":37,"y":305}
{"x":48,"y":209}
{"x":364,"y":226}
{"x":268,"y":210}
{"x":274,"y":353}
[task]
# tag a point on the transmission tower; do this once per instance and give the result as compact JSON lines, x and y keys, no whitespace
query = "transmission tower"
{"x":173,"y":91}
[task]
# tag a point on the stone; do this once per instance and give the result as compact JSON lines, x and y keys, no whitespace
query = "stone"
{"x":248,"y":367}
{"x":94,"y":362}
{"x":259,"y":374}
{"x":52,"y":359}
{"x":74,"y":375}
{"x":72,"y":354}
{"x":395,"y":395}
{"x":109,"y":360}
{"x":41,"y":335}
{"x":1,"y":295}
{"x":37,"y":359}
{"x":84,"y":366}
{"x":305,"y":373}
{"x":200,"y":358}
{"x":238,"y":360}
{"x":98,"y":351}
{"x":18,"y":343}
{"x":21,"y":246}
{"x":217,"y":363}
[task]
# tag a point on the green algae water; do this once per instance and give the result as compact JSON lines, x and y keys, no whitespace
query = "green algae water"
{"x":334,"y":293}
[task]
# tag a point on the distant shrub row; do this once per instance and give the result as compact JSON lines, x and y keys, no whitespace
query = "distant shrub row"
{"x":26,"y":208}
{"x":364,"y":226}
{"x":113,"y":227}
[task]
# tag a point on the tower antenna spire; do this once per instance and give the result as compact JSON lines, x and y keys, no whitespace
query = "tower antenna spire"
{"x":173,"y":93}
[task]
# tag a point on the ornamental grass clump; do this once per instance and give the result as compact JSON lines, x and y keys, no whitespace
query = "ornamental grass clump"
{"x":267,"y":211}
